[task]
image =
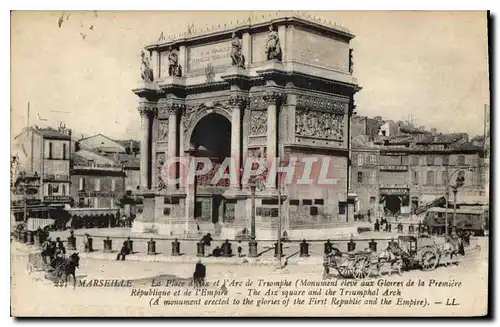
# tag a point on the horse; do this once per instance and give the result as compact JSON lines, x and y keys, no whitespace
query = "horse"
{"x":393,"y":255}
{"x":65,"y":267}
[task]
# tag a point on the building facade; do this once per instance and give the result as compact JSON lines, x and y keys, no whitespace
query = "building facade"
{"x":97,"y":187}
{"x":121,"y":152}
{"x":365,"y":179}
{"x":256,"y":90}
{"x":46,"y":153}
{"x":420,"y":169}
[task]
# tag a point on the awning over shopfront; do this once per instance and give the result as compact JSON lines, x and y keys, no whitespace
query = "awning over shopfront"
{"x":80,"y":212}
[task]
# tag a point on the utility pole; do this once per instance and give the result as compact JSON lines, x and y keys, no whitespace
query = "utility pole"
{"x":28,"y":123}
{"x":25,"y":198}
{"x":447,"y":200}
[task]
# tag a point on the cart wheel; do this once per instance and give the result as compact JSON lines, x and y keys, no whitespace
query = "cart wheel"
{"x":361,"y":268}
{"x":429,"y":260}
{"x":344,"y":271}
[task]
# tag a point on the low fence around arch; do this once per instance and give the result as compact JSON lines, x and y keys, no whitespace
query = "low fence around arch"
{"x":172,"y":246}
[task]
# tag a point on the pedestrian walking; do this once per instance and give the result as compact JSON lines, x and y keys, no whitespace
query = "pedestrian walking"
{"x":239,"y":249}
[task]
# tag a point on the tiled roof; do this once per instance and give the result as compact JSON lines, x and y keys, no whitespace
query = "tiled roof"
{"x":126,"y":143}
{"x":53,"y":133}
{"x":129,"y":161}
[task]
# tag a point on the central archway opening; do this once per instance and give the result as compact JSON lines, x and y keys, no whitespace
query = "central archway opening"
{"x":211,"y":138}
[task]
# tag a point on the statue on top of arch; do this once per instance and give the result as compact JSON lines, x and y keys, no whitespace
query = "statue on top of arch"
{"x":273,"y":47}
{"x":174,"y":68}
{"x":237,"y":52}
{"x":146,"y":70}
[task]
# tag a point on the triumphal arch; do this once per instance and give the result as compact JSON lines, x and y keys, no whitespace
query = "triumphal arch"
{"x":278,"y":88}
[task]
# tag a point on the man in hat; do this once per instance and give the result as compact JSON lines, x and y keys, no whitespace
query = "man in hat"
{"x":60,"y":249}
{"x":46,"y":249}
{"x":199,"y":274}
{"x":125,"y":250}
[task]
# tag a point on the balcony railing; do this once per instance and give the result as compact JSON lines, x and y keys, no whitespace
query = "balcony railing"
{"x":393,"y":168}
{"x":99,"y":167}
{"x":56,"y":177}
{"x":57,"y":198}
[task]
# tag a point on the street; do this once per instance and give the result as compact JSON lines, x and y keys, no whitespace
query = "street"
{"x":32,"y":295}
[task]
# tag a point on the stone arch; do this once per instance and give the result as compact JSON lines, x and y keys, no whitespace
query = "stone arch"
{"x":201,"y":113}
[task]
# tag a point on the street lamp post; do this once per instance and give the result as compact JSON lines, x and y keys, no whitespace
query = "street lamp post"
{"x":455,"y":190}
{"x":252,"y":244}
{"x":458,"y":183}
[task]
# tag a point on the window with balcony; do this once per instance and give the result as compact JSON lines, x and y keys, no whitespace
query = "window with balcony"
{"x":97,"y":185}
{"x":65,"y":153}
{"x":461,"y":160}
{"x":430,"y":178}
{"x":360,"y":159}
{"x":423,"y":161}
{"x":360,"y":177}
{"x":81,"y":184}
{"x":446,"y":161}
{"x":50,"y":150}
{"x":430,"y":161}
{"x":373,"y":159}
{"x":415,"y":177}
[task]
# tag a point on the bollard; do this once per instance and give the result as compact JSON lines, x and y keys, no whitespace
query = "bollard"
{"x":373,"y":245}
{"x":276,"y":249}
{"x":411,"y":229}
{"x":90,"y":245}
{"x":328,"y":247}
{"x":23,"y":236}
{"x":351,"y":245}
{"x":226,"y":249}
{"x":37,"y":239}
{"x":400,"y":228}
{"x":151,"y":247}
{"x":200,"y":246}
{"x":389,"y":227}
{"x":252,"y":248}
{"x":130,"y":245}
{"x":72,"y":241}
{"x":176,"y":247}
{"x":304,"y":249}
{"x":31,"y":238}
{"x":107,"y":245}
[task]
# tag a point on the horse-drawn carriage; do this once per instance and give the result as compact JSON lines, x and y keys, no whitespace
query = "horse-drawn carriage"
{"x":408,"y":252}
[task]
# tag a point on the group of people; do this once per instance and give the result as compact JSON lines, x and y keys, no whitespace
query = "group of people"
{"x":382,"y":225}
{"x":218,"y":251}
{"x":52,"y":249}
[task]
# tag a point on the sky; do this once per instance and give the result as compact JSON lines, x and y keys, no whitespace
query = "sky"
{"x":432,"y":65}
